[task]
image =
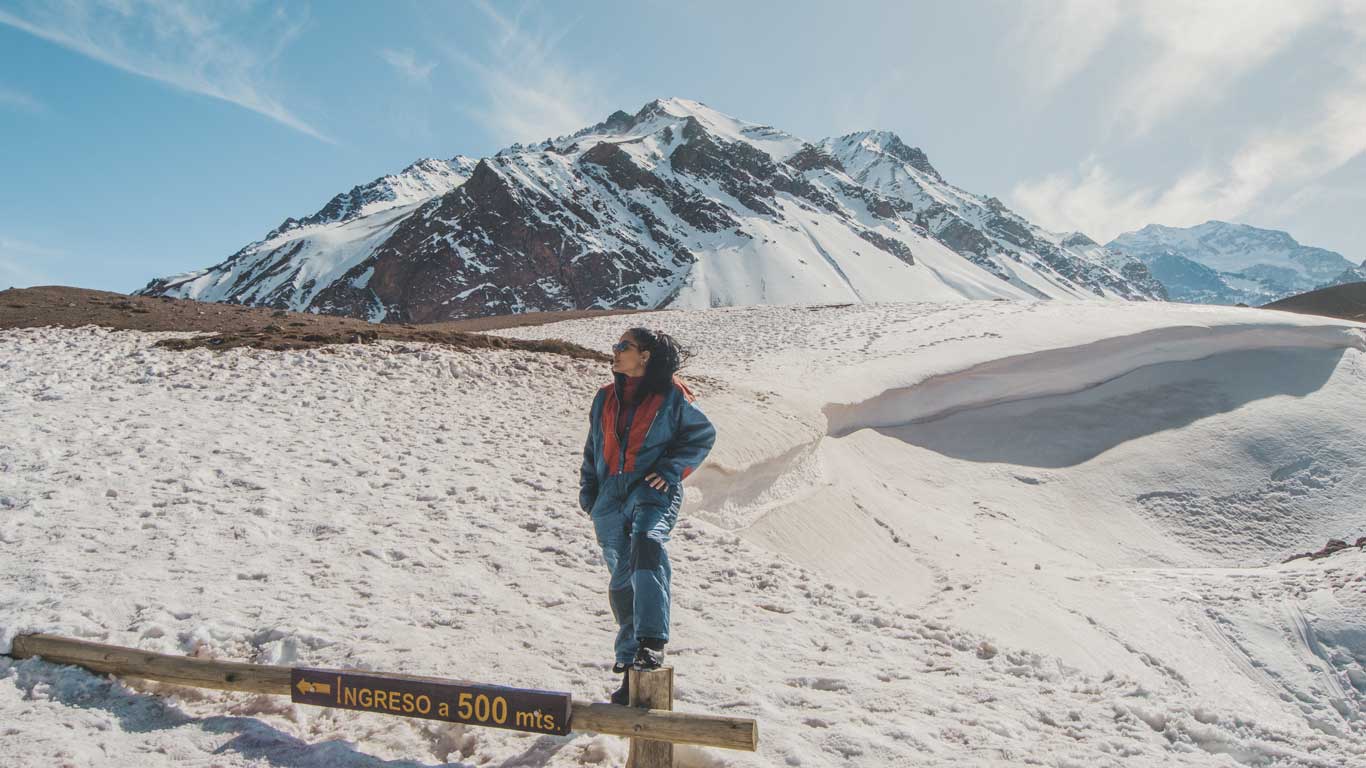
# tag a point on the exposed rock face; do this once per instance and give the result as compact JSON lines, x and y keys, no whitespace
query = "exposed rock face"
{"x":894,"y":247}
{"x":675,"y":205}
{"x":1333,"y":547}
{"x":493,"y":247}
{"x":811,"y":157}
{"x":912,"y":156}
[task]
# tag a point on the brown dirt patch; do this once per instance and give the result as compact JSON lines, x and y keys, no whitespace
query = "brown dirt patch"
{"x":231,"y":326}
{"x":1347,"y":302}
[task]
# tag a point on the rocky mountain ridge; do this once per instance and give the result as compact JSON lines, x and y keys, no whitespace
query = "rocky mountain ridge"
{"x":675,"y":205}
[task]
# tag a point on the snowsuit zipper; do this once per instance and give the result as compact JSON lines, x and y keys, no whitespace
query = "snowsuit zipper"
{"x":624,"y":431}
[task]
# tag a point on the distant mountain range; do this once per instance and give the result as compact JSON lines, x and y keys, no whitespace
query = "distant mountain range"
{"x":675,"y":205}
{"x":1221,"y":263}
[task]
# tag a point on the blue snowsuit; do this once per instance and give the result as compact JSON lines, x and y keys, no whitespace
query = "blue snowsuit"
{"x":666,"y":434}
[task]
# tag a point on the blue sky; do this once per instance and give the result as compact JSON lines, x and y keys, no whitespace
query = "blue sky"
{"x":140,"y":138}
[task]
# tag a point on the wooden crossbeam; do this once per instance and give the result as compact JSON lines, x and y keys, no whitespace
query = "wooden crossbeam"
{"x":643,"y":724}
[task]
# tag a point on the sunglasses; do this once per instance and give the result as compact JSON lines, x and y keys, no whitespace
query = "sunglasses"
{"x":622,"y":346}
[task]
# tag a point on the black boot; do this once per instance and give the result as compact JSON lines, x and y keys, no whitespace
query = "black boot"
{"x":622,"y":695}
{"x":650,"y":654}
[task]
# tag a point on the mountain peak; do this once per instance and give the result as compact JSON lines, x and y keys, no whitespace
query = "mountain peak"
{"x":1078,"y":240}
{"x":420,"y":180}
{"x":888,"y":143}
{"x":671,"y":109}
{"x":679,"y":107}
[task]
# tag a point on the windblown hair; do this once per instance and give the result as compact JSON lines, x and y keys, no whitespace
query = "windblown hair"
{"x":667,"y":357}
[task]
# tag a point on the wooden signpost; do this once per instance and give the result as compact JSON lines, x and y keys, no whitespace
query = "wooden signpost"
{"x":492,"y":706}
{"x":650,"y":725}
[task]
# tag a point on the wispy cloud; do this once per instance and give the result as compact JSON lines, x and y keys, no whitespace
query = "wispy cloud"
{"x":1321,"y":195}
{"x":178,"y":43}
{"x":406,"y":63}
{"x":1188,"y":51}
{"x":529,"y":92}
{"x":1201,"y":48}
{"x":12,"y":98}
{"x":1269,"y":165}
{"x":1057,"y":39}
{"x":18,"y":263}
{"x":1096,"y":201}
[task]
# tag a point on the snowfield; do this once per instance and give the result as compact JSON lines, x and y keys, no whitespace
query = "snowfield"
{"x":970,"y":533}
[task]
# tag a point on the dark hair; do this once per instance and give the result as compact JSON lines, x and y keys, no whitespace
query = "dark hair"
{"x":667,"y":356}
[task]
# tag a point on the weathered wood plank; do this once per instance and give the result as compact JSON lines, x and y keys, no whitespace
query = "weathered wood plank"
{"x":631,"y":722}
{"x":131,"y":662}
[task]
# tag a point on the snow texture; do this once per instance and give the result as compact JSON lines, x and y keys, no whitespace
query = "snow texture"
{"x":981,"y":533}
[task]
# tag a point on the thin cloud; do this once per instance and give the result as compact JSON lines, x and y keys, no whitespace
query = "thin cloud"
{"x":1263,"y":169}
{"x":1202,"y":48}
{"x":1319,"y":194}
{"x":172,"y":42}
{"x":13,"y":98}
{"x":406,"y":63}
{"x":1190,"y":52}
{"x":529,"y":94}
{"x":1267,"y":169}
{"x":1058,"y":38}
{"x":17,"y":263}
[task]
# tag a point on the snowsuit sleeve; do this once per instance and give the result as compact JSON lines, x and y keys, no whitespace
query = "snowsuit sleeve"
{"x":588,"y":473}
{"x":692,"y":441}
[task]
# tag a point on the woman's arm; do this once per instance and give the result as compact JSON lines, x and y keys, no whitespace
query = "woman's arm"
{"x":692,"y":441}
{"x":588,"y":471}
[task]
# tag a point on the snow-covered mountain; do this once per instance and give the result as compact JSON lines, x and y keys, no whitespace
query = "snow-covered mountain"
{"x":982,"y":229}
{"x":677,"y":205}
{"x":1355,"y":274}
{"x":1222,"y":263}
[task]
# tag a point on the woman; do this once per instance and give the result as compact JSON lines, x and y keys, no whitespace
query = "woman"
{"x":644,"y":436}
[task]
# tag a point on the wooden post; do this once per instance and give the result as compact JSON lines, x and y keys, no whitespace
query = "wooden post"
{"x":652,"y":689}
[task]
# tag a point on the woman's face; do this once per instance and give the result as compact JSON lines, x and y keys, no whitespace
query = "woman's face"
{"x":627,"y":356}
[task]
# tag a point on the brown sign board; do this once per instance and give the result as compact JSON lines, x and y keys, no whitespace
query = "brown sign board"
{"x":492,"y":706}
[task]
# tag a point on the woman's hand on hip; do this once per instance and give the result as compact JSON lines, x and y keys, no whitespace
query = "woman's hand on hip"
{"x":656,"y":482}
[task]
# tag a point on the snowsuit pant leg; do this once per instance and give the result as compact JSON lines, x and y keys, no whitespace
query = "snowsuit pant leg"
{"x":650,"y":570}
{"x":613,"y":529}
{"x":632,"y":537}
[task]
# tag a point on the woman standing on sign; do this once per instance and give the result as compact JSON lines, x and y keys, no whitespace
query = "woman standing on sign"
{"x":644,"y":436}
